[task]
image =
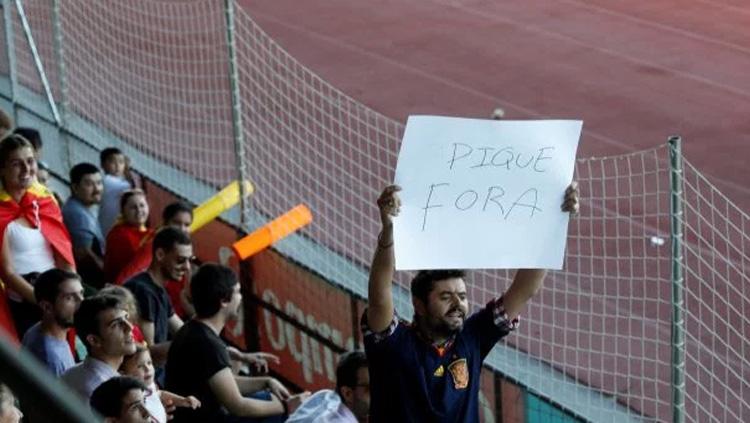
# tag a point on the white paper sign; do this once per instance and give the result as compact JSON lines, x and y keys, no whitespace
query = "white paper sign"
{"x":483,"y":194}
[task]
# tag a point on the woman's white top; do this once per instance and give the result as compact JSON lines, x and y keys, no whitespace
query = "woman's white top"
{"x":29,"y":251}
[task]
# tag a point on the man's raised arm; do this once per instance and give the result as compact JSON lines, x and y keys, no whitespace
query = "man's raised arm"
{"x":380,"y":296}
{"x":528,"y":281}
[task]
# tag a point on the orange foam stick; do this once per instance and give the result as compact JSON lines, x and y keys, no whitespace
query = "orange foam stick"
{"x":272,"y":231}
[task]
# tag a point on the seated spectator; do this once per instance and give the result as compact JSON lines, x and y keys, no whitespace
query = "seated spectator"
{"x":32,"y":234}
{"x":130,"y":305}
{"x":102,"y":323}
{"x":59,"y":294}
{"x":172,"y":252}
{"x":178,"y":215}
{"x":128,"y":234}
{"x":79,"y":213}
{"x":33,"y":136}
{"x":350,"y":403}
{"x":216,"y":297}
{"x":140,"y":366}
{"x":117,"y":179}
{"x":9,"y":412}
{"x":121,"y":400}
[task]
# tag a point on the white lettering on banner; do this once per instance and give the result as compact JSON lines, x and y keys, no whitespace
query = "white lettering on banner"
{"x":310,"y":354}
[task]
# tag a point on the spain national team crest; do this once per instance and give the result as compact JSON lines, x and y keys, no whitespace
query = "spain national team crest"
{"x":460,"y":372}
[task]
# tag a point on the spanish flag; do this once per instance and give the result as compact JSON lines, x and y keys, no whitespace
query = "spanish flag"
{"x":39,"y":208}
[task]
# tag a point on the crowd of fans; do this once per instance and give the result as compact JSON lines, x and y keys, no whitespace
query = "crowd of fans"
{"x":114,"y":307}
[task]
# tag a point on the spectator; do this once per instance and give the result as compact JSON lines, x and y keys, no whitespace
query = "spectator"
{"x":429,"y":371}
{"x":32,"y":234}
{"x":79,"y":213}
{"x":350,"y":403}
{"x":172,"y":253}
{"x":117,"y":179}
{"x":9,"y":412}
{"x":216,"y":294}
{"x":34,"y":137}
{"x":59,"y":294}
{"x":140,"y":366}
{"x":178,"y":215}
{"x":128,"y":234}
{"x":103,"y":325}
{"x":121,"y":400}
{"x":42,"y":176}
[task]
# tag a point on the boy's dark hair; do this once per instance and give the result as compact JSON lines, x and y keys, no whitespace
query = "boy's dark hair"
{"x":105,"y":154}
{"x":211,"y":285}
{"x":31,"y":134}
{"x":107,"y":397}
{"x":422,"y":284}
{"x":80,"y":170}
{"x":86,"y":319}
{"x":47,"y":285}
{"x":174,"y":208}
{"x":346,"y":370}
{"x":168,"y":237}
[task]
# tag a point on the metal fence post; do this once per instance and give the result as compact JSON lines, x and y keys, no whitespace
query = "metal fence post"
{"x":239,"y":137}
{"x":61,"y":78}
{"x":678,"y":280}
{"x":10,"y":46}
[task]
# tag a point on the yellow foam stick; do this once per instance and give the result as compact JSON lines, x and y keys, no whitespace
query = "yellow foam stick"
{"x":218,"y":204}
{"x":272,"y":231}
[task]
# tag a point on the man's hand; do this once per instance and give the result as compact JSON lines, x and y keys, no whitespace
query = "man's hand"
{"x":389,"y":205}
{"x":570,"y":204}
{"x":277,"y":389}
{"x":259,"y":360}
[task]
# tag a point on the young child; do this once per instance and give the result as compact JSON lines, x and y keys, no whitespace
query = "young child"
{"x":139,"y":366}
{"x":117,"y":179}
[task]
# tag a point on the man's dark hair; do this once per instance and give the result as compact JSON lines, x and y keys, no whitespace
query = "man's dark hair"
{"x":107,"y":397}
{"x":47,"y":285}
{"x":107,"y":153}
{"x":80,"y":170}
{"x":346,"y":370}
{"x":173,"y":209}
{"x":211,"y":285}
{"x":30,"y":134}
{"x":423,"y":283}
{"x":86,"y":319}
{"x":168,"y":237}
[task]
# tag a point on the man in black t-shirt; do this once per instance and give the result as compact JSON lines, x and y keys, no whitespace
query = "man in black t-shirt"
{"x":172,"y":252}
{"x":198,"y":362}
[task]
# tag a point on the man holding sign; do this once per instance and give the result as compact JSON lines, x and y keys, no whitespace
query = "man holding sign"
{"x":429,"y":371}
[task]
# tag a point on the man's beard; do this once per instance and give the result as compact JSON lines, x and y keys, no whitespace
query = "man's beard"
{"x":63,"y":322}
